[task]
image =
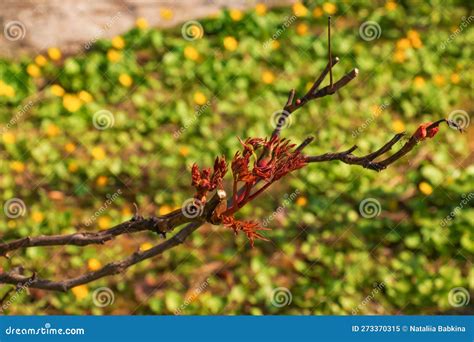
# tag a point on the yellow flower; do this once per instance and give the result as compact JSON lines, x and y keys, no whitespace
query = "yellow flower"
{"x":191,"y":53}
{"x":439,"y":80}
{"x":390,"y":5}
{"x":85,"y":96}
{"x":399,"y":56}
{"x":260,"y":9}
{"x":236,"y":14}
{"x":299,"y":9}
{"x":6,"y":90}
{"x":52,"y":130}
{"x":145,"y":246}
{"x":184,"y":151}
{"x":413,"y":34}
{"x":41,"y":60}
{"x":455,"y":78}
{"x":403,"y":43}
{"x":418,"y":82}
{"x":268,"y":77}
{"x":164,"y":209}
{"x":301,"y":201}
{"x":37,"y":216}
{"x":398,"y":126}
{"x":417,"y":43}
{"x":98,"y":153}
{"x":93,"y":264}
{"x":69,"y":147}
{"x":199,"y":98}
{"x":102,"y":181}
{"x":71,"y":102}
{"x":9,"y":91}
{"x":73,"y":167}
{"x":376,"y":110}
{"x":114,"y":55}
{"x":275,"y":45}
{"x":317,"y":12}
{"x":118,"y":42}
{"x":230,"y":43}
{"x":54,"y":53}
{"x":17,"y":166}
{"x":126,"y":212}
{"x":125,"y":80}
{"x":329,"y":8}
{"x":104,"y":222}
{"x":9,"y":138}
{"x":141,"y":23}
{"x":33,"y":70}
{"x":166,"y":13}
{"x":414,"y":38}
{"x":302,"y":29}
{"x":425,"y":188}
{"x":57,"y":90}
{"x":80,"y":292}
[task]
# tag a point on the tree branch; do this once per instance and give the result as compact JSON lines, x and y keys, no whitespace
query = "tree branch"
{"x":109,"y":269}
{"x":117,"y":266}
{"x":364,"y":161}
{"x":161,"y":225}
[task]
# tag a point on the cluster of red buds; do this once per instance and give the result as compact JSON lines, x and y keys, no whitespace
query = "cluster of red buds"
{"x":429,"y":129}
{"x":204,"y":182}
{"x":253,"y":173}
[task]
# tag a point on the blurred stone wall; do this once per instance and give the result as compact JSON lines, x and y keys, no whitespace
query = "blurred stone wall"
{"x":31,"y":26}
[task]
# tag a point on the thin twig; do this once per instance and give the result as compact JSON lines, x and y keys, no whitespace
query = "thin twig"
{"x":329,"y":52}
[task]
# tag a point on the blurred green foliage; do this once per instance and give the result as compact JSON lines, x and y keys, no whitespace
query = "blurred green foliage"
{"x":176,"y":101}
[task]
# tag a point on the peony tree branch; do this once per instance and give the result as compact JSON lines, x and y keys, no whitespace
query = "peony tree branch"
{"x":33,"y":281}
{"x":158,"y":224}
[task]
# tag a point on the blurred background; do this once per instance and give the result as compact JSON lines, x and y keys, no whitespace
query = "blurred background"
{"x":117,"y":113}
